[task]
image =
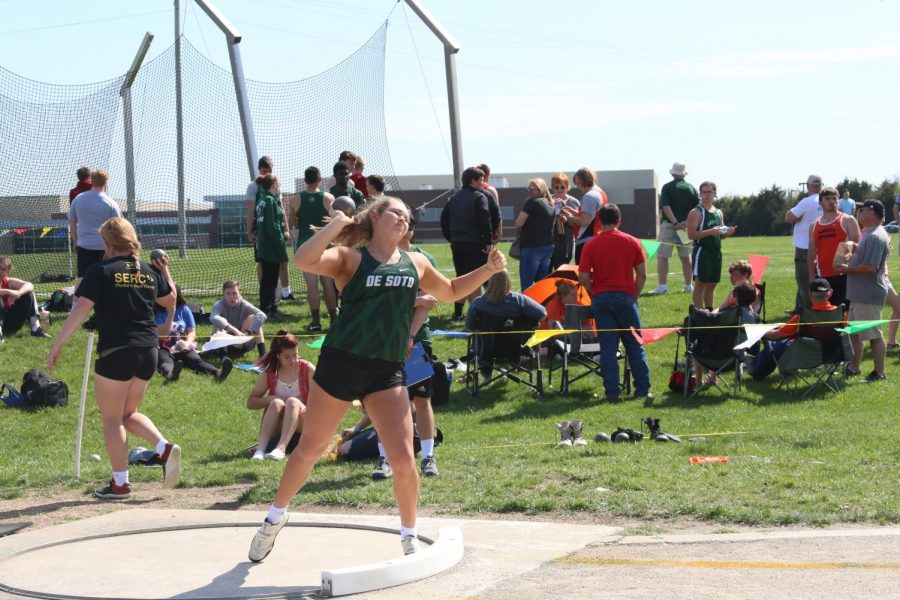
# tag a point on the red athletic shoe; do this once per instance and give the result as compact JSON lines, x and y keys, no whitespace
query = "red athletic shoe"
{"x":111,"y":491}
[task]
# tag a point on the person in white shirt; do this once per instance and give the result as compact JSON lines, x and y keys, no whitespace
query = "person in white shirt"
{"x":802,"y":216}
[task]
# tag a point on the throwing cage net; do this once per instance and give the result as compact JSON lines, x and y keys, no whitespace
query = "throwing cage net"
{"x":50,"y":130}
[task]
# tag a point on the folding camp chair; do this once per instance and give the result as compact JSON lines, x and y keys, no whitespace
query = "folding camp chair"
{"x":819,"y":354}
{"x":761,"y":293}
{"x":710,"y":338}
{"x":497,"y":351}
{"x":579,"y":349}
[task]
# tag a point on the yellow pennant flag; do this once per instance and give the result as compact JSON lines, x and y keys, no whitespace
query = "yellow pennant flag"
{"x":542,"y":335}
{"x":46,"y":230}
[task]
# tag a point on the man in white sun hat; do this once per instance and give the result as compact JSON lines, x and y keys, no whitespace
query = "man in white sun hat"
{"x":676,"y":199}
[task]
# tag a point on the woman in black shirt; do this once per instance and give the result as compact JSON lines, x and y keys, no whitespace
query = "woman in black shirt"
{"x":535,"y":225}
{"x":122,"y":290}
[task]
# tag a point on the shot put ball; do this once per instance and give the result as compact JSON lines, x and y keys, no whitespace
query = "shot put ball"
{"x":344,"y":204}
{"x":602,"y":437}
{"x":621,"y":437}
{"x":95,"y":457}
{"x":158,"y":254}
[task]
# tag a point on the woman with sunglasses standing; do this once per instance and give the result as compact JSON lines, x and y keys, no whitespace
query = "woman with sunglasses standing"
{"x":563,"y":232}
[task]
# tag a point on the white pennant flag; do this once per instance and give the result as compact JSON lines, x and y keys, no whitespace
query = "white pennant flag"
{"x":755,"y":333}
{"x":222,"y":339}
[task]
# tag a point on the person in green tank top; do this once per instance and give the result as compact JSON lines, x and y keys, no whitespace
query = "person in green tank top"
{"x":706,"y":227}
{"x":306,"y":212}
{"x":270,"y":239}
{"x":367,"y":264}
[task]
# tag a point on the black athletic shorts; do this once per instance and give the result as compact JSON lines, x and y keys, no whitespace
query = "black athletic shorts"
{"x":125,"y":363}
{"x":87,"y":258}
{"x":351,"y":377}
{"x":423,"y":388}
{"x":467,"y":258}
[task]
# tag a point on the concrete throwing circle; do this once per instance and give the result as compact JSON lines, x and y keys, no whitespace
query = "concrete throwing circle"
{"x":195,"y":561}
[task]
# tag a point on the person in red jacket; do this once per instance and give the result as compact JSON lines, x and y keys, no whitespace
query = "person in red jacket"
{"x":84,"y":183}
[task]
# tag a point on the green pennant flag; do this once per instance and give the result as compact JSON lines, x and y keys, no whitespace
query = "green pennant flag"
{"x":317,"y":343}
{"x":650,"y":247}
{"x":857,"y":326}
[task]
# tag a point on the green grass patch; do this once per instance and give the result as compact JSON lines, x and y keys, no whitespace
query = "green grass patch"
{"x":827,"y":459}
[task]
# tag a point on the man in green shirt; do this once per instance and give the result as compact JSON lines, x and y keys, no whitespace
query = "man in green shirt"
{"x":344,"y":187}
{"x":676,"y":199}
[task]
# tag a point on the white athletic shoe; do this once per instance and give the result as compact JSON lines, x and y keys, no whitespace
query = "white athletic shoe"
{"x":264,"y":540}
{"x":258,"y":455}
{"x":410,"y":545}
{"x":688,"y":289}
{"x":171,"y":459}
{"x":275,"y":454}
{"x":659,"y":290}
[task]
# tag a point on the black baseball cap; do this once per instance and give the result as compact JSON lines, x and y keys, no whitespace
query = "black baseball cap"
{"x":819,"y":286}
{"x":875,"y":205}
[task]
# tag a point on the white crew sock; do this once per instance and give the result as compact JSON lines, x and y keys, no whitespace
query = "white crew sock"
{"x":120,"y":477}
{"x":407,"y":532}
{"x":161,"y":446}
{"x":381,"y":451}
{"x":427,"y":448}
{"x":275,"y":514}
{"x":285,"y":292}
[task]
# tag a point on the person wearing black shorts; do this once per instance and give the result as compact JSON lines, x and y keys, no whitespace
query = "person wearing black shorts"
{"x":123,"y":291}
{"x":363,"y":353}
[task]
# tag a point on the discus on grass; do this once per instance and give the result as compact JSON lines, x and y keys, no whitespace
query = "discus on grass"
{"x":345,"y":204}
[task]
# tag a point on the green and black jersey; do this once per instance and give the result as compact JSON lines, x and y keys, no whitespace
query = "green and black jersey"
{"x":708,"y":220}
{"x":424,"y":333}
{"x":311,"y":212}
{"x":376,"y":309}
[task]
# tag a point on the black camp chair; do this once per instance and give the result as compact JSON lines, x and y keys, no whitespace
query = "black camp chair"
{"x":496,"y":351}
{"x":579,"y":350}
{"x":710,"y":338}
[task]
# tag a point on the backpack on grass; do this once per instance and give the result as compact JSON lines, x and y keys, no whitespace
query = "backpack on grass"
{"x":60,"y":301}
{"x":40,"y":390}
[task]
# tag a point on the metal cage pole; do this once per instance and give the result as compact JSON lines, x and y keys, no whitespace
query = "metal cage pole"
{"x":450,"y":50}
{"x":240,"y":87}
{"x":179,"y":137}
{"x":125,"y":93}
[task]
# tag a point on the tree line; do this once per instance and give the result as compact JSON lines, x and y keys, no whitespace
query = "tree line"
{"x":763,"y":213}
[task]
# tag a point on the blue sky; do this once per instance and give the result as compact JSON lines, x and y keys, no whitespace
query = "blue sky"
{"x":746,"y":95}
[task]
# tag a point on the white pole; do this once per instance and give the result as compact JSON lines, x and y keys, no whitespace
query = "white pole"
{"x":84,"y":383}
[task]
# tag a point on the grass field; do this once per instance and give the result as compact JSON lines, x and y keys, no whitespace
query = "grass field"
{"x":827,"y":459}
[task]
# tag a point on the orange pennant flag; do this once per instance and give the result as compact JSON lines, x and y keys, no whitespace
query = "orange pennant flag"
{"x":648,"y":336}
{"x":758,"y":264}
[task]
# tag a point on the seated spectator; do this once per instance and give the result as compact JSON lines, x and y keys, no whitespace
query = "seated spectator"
{"x":17,"y":303}
{"x":232,"y":314}
{"x":740,"y":271}
{"x":777,"y":341}
{"x":744,"y":294}
{"x":567,"y":292}
{"x":281,"y":390}
{"x":499,"y":300}
{"x":178,"y":346}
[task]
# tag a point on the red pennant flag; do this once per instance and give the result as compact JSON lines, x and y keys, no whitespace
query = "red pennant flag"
{"x":649,"y":336}
{"x":758,"y":264}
